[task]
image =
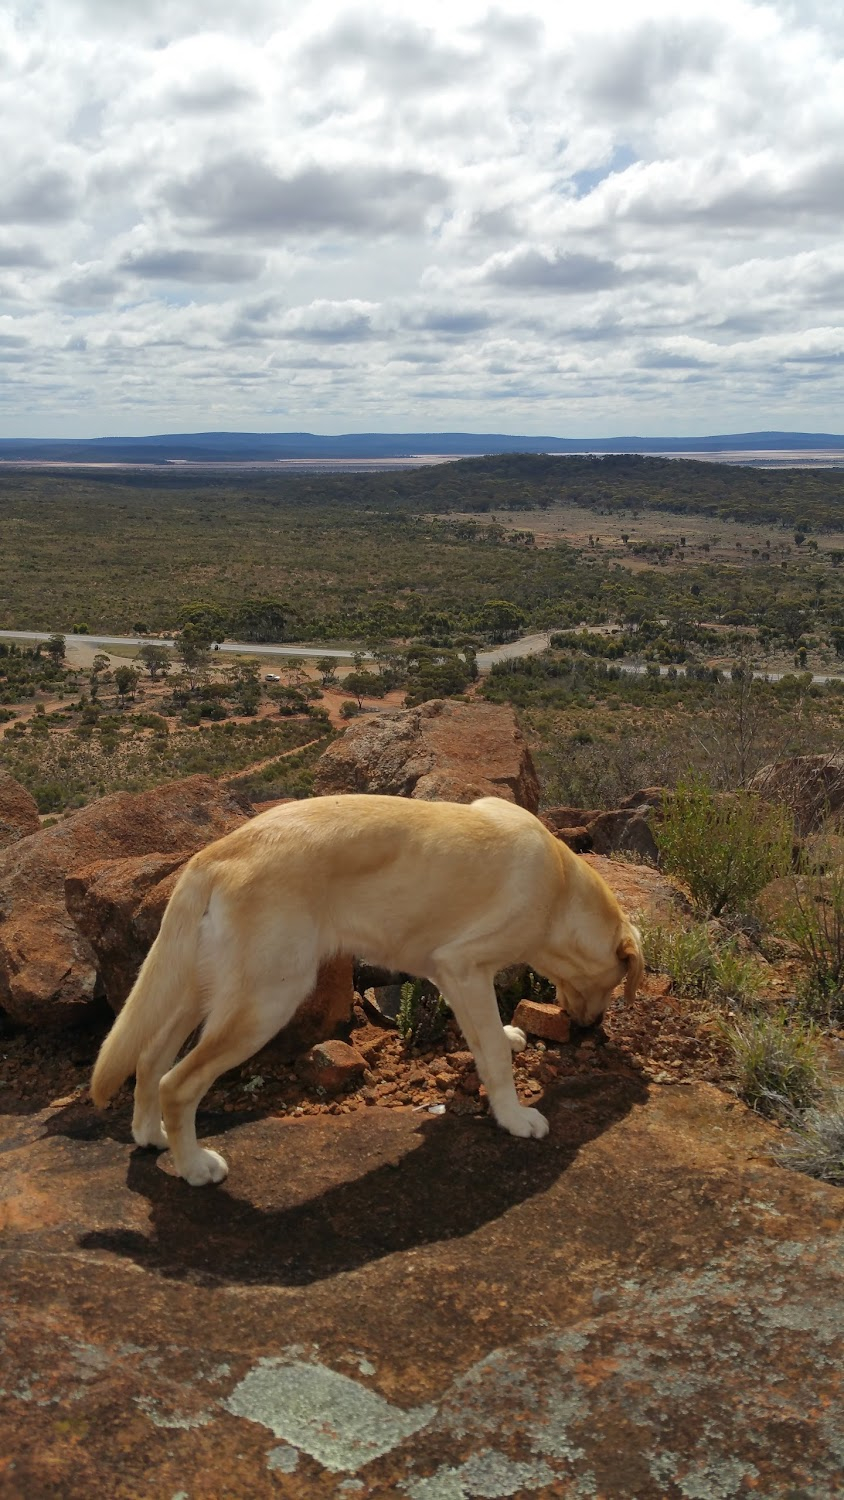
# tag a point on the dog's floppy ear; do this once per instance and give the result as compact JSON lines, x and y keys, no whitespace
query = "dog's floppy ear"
{"x":629,"y":953}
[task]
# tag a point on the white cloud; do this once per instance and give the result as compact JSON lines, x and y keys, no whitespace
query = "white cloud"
{"x":545,"y":218}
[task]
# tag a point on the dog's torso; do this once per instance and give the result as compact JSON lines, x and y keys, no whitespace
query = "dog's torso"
{"x":393,"y":881}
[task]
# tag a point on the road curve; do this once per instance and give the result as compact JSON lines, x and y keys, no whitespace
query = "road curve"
{"x":526,"y":645}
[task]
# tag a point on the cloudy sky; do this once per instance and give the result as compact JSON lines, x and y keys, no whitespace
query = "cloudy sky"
{"x":621,"y":216}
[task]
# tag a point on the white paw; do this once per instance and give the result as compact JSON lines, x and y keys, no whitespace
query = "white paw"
{"x":525,"y":1122}
{"x":206,"y":1166}
{"x":150,"y":1133}
{"x":516,"y":1038}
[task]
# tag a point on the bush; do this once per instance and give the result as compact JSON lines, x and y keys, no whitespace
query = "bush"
{"x":698,"y":969}
{"x":683,"y":954}
{"x":151,"y":721}
{"x":726,"y":848}
{"x":778,"y":1063}
{"x":814,"y":922}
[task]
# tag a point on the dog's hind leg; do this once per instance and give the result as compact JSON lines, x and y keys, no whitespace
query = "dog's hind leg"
{"x":472,"y":998}
{"x":232,"y":1034}
{"x":154,"y":1062}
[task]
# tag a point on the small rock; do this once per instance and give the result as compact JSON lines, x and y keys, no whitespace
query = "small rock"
{"x":548,"y":1021}
{"x":460,"y":1060}
{"x":330,"y":1066}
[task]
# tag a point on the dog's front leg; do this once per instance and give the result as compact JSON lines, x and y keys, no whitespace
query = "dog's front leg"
{"x":474,"y":1004}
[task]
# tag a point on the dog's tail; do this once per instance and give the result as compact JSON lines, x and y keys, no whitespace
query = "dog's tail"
{"x":165,"y":985}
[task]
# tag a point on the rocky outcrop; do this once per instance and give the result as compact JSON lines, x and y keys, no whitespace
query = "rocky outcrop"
{"x":117,"y":906}
{"x":18,"y":811}
{"x":49,"y":971}
{"x":644,"y":892}
{"x":625,"y":829}
{"x":810,"y":786}
{"x":441,"y":751}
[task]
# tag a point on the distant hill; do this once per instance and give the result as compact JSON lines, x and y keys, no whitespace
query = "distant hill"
{"x":257,"y":447}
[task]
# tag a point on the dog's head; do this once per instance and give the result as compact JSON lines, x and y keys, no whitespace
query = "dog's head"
{"x":587,"y":997}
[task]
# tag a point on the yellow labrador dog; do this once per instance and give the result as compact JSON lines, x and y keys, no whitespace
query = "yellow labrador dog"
{"x":450,"y":892}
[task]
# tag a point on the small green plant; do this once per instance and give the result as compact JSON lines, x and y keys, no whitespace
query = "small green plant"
{"x":816,"y":1146}
{"x":726,"y":848}
{"x":736,"y":978}
{"x":777,"y":1061}
{"x":700,"y":969}
{"x":422,"y":1014}
{"x":682,"y":953}
{"x":814,"y":922}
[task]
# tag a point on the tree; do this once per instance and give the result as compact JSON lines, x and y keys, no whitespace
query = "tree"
{"x":260,"y":620}
{"x":290,"y":699}
{"x":245,"y":687}
{"x":55,"y":647}
{"x":157,"y":659}
{"x":99,"y":669}
{"x":364,"y":685}
{"x":194,"y":655}
{"x":500,"y":620}
{"x":327,"y":668}
{"x":126,"y":681}
{"x":293,"y":671}
{"x":205,"y":620}
{"x":436,"y":673}
{"x":736,"y":735}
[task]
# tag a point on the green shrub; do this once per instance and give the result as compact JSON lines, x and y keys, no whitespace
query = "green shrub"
{"x":817,"y":1142}
{"x":814,"y":922}
{"x":778,"y":1063}
{"x":698,"y":968}
{"x":682,"y":953}
{"x":726,"y":848}
{"x":151,"y":721}
{"x":736,"y":978}
{"x":422,"y":1014}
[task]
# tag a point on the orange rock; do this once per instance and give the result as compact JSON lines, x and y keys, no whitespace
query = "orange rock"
{"x":330,"y":1065}
{"x":547,"y":1021}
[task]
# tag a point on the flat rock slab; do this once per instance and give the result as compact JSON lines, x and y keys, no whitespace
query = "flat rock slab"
{"x":397,"y":1305}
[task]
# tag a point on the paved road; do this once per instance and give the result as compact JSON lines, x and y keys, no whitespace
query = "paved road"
{"x":526,"y":645}
{"x":143,"y":640}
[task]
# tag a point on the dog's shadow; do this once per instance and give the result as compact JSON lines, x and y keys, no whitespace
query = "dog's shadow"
{"x":442,"y":1181}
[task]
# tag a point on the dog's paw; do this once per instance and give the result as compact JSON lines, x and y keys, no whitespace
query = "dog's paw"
{"x":525,"y":1122}
{"x":206,"y":1166}
{"x":516,"y":1037}
{"x":150,"y":1133}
